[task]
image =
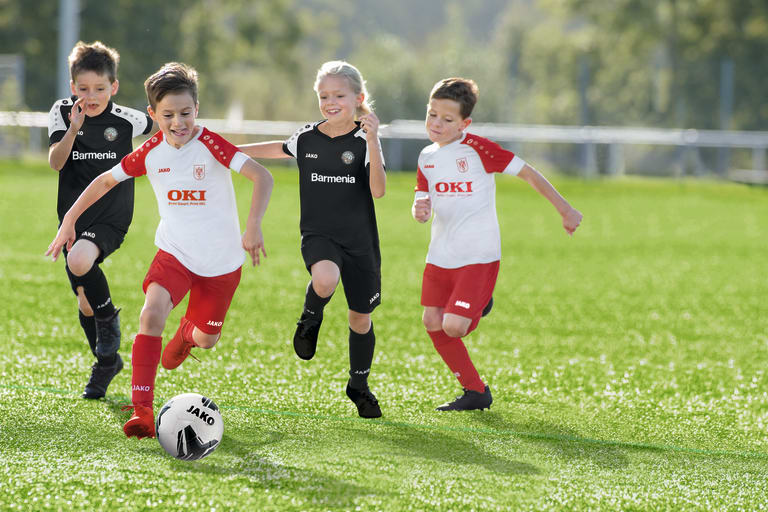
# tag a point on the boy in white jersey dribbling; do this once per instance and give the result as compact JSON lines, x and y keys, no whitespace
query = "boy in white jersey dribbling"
{"x":455,"y":179}
{"x":199,"y":240}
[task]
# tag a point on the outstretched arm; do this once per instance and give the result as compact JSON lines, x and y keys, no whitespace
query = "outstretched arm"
{"x":571,"y":216}
{"x":103,"y":183}
{"x":253,"y":239}
{"x":271,"y":149}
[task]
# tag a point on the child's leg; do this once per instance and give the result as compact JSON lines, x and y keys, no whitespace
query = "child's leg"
{"x":81,"y":261}
{"x":362,"y":341}
{"x":325,"y":279}
{"x":451,"y":348}
{"x":148,"y":344}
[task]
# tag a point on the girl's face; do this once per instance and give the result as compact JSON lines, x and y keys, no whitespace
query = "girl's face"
{"x":96,"y":89}
{"x":444,"y":122}
{"x":338,"y":102}
{"x":175,"y":116}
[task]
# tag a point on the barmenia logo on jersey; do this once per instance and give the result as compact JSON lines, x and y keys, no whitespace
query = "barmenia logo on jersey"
{"x":107,"y":155}
{"x":321,"y":178}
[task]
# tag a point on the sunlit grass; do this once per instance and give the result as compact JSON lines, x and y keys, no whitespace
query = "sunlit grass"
{"x":627,"y":365}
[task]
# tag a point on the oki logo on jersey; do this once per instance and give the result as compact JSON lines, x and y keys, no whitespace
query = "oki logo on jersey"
{"x":185,"y":196}
{"x":199,"y":171}
{"x":462,"y":165}
{"x":453,"y":187}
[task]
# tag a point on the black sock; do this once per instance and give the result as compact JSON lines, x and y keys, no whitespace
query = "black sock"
{"x":96,"y":290}
{"x":360,"y":357}
{"x":314,"y":304}
{"x":89,"y":327}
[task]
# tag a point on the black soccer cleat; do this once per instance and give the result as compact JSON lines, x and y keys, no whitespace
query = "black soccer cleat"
{"x":367,"y":405}
{"x":305,"y":338}
{"x":101,"y":376}
{"x":469,"y":401}
{"x":108,"y":336}
{"x":488,"y":307}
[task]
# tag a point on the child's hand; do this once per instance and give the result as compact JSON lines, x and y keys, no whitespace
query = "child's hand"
{"x":253,"y":241}
{"x":77,"y":115}
{"x":571,"y":220}
{"x":65,"y":236}
{"x":422,"y":209}
{"x":370,"y":125}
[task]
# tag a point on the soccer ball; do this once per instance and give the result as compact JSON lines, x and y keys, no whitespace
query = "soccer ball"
{"x":189,"y":426}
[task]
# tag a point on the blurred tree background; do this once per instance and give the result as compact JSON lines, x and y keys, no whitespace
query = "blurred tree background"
{"x":667,"y":63}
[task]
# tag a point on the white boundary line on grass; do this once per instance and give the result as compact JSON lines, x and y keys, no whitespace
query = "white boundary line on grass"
{"x":120,"y":399}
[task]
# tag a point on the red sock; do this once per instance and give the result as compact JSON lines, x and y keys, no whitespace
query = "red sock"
{"x":455,"y":355}
{"x":145,"y":357}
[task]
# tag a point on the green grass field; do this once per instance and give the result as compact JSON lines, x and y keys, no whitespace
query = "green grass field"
{"x":628,"y":365}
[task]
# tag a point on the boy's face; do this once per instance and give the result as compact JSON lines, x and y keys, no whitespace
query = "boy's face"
{"x":175,"y":115}
{"x":444,"y":122}
{"x":96,"y":89}
{"x":337,"y":100}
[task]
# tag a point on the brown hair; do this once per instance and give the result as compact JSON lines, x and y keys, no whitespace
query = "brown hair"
{"x":172,"y":78}
{"x":463,"y":91}
{"x":96,"y":57}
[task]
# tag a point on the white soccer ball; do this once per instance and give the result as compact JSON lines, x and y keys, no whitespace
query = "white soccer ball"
{"x":189,"y":426}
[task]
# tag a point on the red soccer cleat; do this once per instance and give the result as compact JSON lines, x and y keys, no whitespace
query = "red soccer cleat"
{"x":142,"y":422}
{"x":178,"y":349}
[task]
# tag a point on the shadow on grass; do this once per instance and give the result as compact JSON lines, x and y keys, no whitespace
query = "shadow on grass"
{"x":566,"y":443}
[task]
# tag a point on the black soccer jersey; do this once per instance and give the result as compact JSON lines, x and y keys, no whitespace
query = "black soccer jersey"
{"x":100,"y":144}
{"x":335,"y":193}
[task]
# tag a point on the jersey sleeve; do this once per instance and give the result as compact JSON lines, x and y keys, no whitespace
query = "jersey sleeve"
{"x":57,"y":121}
{"x":221,"y":149}
{"x":494,"y":157}
{"x":361,"y":134}
{"x":422,"y":185}
{"x":291,"y":146}
{"x":134,"y":164}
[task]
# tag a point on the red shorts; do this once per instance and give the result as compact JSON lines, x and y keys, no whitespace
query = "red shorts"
{"x":209,"y":297}
{"x":463,"y":291}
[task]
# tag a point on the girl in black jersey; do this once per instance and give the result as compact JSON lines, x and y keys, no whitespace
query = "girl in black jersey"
{"x":341,"y":170}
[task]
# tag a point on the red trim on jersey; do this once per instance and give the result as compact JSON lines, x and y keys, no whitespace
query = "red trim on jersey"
{"x":422,"y":185}
{"x":221,"y":149}
{"x":494,"y":157}
{"x":133,"y":163}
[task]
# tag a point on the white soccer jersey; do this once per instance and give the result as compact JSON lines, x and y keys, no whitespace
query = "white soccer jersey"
{"x":195,"y":198}
{"x":458,"y":178}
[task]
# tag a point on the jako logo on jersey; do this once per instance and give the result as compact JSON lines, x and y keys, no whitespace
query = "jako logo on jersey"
{"x":462,"y":165}
{"x":77,"y":155}
{"x":462,"y":304}
{"x":88,"y":234}
{"x":429,"y":166}
{"x":214,"y":324}
{"x":310,"y":155}
{"x":374,"y":298}
{"x":164,"y":169}
{"x":332,"y":179}
{"x":186,"y":195}
{"x":454,"y":186}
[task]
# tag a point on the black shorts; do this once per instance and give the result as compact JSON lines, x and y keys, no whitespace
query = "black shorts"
{"x":107,"y":238}
{"x":360,"y":272}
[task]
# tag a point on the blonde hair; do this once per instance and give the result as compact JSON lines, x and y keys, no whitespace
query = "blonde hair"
{"x":357,"y":84}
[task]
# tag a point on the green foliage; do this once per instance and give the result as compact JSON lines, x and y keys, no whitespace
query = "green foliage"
{"x":627,"y":365}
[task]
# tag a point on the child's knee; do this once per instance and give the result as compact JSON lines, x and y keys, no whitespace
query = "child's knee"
{"x":359,"y":322}
{"x":79,"y":263}
{"x":153,"y":317}
{"x":205,"y":340}
{"x":433,"y":320}
{"x":455,"y":328}
{"x":324,"y":284}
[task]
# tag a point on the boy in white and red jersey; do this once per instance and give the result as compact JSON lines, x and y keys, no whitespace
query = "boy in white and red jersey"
{"x":455,"y":178}
{"x":199,"y":241}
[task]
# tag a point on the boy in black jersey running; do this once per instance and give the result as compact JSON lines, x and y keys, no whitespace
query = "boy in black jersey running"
{"x":341,"y":170}
{"x":89,"y":134}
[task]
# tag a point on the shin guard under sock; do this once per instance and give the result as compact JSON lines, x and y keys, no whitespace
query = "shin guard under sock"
{"x":88,"y":323}
{"x":96,"y":290}
{"x":145,"y":357}
{"x":314,"y":304}
{"x":455,"y":355}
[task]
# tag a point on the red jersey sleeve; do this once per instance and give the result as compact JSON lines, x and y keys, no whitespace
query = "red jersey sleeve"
{"x":494,"y":157}
{"x":221,"y":149}
{"x":422,"y":185}
{"x":134,"y":163}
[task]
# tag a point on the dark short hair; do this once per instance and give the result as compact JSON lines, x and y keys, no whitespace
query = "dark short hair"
{"x":464,"y":91}
{"x":96,"y":57}
{"x":172,"y":78}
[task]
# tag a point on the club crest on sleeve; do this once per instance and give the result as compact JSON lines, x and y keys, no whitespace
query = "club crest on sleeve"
{"x":110,"y":134}
{"x":347,"y":157}
{"x":462,"y":165}
{"x":199,"y":171}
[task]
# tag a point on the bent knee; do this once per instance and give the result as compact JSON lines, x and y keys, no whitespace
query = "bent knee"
{"x":205,"y":340}
{"x":432,"y":321}
{"x":79,"y":264}
{"x":324,"y":285}
{"x":153,"y":317}
{"x":455,"y":328}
